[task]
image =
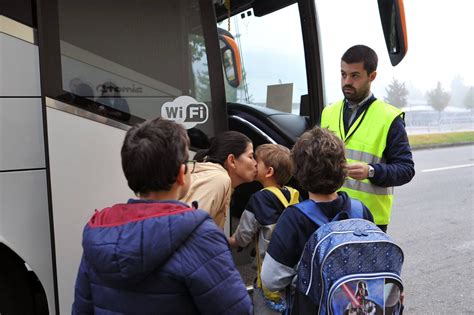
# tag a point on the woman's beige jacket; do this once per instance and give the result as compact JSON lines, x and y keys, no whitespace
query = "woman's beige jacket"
{"x":211,"y":188}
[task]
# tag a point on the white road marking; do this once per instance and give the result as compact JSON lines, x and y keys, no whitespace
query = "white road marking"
{"x":447,"y":168}
{"x":469,"y":245}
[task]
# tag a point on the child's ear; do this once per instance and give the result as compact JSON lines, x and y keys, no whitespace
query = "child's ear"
{"x":181,"y":178}
{"x":270,"y":172}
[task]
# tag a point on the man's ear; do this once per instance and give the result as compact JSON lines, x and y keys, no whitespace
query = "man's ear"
{"x":181,"y":178}
{"x":372,"y":76}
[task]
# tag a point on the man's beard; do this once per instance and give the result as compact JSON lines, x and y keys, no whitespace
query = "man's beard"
{"x":356,"y":96}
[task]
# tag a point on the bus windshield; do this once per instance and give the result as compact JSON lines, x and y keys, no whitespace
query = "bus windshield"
{"x":274,"y":72}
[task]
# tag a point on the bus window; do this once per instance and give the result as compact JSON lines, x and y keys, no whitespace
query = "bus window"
{"x":366,"y":30}
{"x":131,"y":61}
{"x":273,"y":62}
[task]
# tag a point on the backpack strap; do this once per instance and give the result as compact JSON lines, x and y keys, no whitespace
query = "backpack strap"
{"x":294,"y":195}
{"x":357,"y":209}
{"x":311,"y":209}
{"x":274,"y":298}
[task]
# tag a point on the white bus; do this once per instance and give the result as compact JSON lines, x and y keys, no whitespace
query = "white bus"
{"x":74,"y":75}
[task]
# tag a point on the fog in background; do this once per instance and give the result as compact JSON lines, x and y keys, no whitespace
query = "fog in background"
{"x":439,"y":42}
{"x":440,"y":48}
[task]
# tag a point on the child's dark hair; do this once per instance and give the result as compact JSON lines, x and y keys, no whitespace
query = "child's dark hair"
{"x":361,"y":53}
{"x":229,"y":142}
{"x":277,"y":157}
{"x":319,"y":161}
{"x":152,"y":154}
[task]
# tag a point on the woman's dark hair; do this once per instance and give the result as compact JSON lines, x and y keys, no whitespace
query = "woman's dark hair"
{"x":152,"y":154}
{"x":229,"y":142}
{"x":319,"y":161}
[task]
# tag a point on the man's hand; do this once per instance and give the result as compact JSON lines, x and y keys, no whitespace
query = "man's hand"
{"x":358,"y":171}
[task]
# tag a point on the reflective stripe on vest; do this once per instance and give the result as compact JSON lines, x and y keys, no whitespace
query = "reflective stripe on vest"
{"x":362,"y":156}
{"x":367,"y":187}
{"x":365,"y":142}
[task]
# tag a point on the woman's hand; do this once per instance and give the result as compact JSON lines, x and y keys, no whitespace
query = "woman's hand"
{"x":232,"y":242}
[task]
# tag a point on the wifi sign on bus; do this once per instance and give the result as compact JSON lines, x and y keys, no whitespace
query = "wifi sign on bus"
{"x":186,"y":111}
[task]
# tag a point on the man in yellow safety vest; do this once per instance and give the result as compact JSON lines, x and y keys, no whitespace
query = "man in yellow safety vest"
{"x":377,"y":149}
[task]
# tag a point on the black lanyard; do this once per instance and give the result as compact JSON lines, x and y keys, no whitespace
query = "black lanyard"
{"x":358,"y":120}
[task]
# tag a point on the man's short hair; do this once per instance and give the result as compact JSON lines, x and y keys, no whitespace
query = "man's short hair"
{"x":152,"y":154}
{"x":319,"y":161}
{"x":277,"y":157}
{"x":362,"y":53}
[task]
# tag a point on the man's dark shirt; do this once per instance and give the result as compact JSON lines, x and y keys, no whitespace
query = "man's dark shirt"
{"x":397,"y":167}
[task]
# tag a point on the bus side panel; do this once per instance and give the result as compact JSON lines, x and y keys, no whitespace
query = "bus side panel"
{"x":21,"y":134}
{"x":86,"y":175}
{"x":19,"y":62}
{"x":21,"y":128}
{"x":24,"y":224}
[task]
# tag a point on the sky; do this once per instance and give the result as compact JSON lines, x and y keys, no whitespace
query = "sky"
{"x":440,"y":41}
{"x":440,"y":45}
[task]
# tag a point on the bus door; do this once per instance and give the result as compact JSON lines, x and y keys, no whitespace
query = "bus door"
{"x":106,"y":65}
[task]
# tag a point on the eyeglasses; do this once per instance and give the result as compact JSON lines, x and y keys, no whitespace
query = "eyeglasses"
{"x":190,"y":165}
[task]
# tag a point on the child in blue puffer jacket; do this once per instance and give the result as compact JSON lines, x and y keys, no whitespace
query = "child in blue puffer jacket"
{"x":156,"y":255}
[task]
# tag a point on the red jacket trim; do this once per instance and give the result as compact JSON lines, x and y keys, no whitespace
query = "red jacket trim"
{"x":121,"y":214}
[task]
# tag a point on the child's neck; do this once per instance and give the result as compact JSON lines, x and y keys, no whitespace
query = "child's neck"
{"x":160,"y":195}
{"x":268,"y":182}
{"x":323,"y":197}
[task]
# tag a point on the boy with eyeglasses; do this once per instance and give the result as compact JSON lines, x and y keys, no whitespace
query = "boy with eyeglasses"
{"x":156,"y":255}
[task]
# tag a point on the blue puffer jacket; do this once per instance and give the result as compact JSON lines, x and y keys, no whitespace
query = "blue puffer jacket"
{"x":157,"y":258}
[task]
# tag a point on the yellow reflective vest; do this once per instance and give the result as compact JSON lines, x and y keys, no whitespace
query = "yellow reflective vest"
{"x":365,"y":142}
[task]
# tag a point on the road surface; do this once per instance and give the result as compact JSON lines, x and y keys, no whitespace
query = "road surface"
{"x":433,"y":221}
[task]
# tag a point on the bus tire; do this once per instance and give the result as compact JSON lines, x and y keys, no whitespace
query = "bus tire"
{"x":16,"y":293}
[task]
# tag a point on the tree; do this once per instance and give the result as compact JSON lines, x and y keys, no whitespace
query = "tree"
{"x":197,"y":47}
{"x":414,"y":92}
{"x":203,"y":86}
{"x":438,"y":99}
{"x":458,"y":91}
{"x":397,"y":94}
{"x":469,"y":99}
{"x":200,"y":84}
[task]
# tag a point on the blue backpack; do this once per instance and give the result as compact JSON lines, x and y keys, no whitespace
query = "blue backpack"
{"x":349,"y":266}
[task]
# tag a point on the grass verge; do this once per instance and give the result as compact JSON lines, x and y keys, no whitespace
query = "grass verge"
{"x":439,"y":139}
